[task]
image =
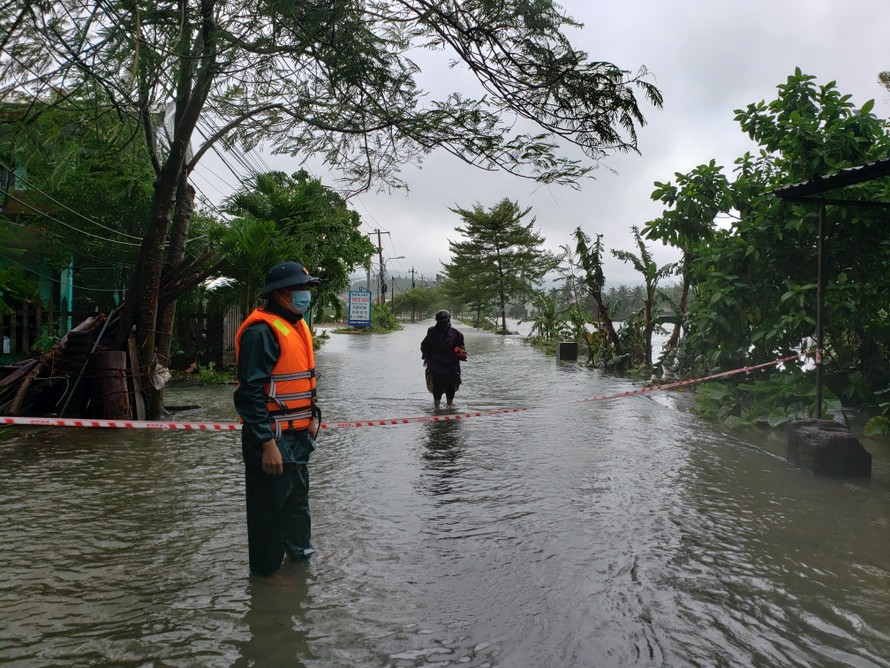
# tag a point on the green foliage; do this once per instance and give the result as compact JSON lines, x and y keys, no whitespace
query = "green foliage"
{"x":280,"y":217}
{"x":251,"y":246}
{"x":652,"y":274}
{"x":501,"y":259}
{"x":382,"y":319}
{"x":15,"y":286}
{"x":547,"y":323}
{"x":625,"y":300}
{"x":592,"y":280}
{"x":420,"y":302}
{"x":694,"y":203}
{"x":209,"y":375}
{"x":755,"y":281}
{"x":338,"y":80}
{"x":880,"y":424}
{"x":88,"y":180}
{"x":781,"y":397}
{"x":688,"y":223}
{"x":206,"y":374}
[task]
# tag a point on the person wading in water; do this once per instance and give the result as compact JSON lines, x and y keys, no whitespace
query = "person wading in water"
{"x":442,"y":350}
{"x":276,"y":400}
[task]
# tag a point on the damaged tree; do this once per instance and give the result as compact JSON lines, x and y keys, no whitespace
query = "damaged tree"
{"x":93,"y":371}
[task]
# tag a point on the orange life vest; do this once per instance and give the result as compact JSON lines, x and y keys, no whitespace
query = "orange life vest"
{"x":290,"y":392}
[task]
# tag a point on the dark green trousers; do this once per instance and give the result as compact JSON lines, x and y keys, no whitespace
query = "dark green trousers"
{"x":278,"y":521}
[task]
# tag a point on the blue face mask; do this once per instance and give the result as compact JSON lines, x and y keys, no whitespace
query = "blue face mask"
{"x":300,"y":300}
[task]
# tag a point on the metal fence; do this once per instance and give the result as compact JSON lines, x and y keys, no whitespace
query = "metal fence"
{"x":34,"y":328}
{"x":197,"y":334}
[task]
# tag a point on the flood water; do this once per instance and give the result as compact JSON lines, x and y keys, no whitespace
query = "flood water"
{"x":625,"y":532}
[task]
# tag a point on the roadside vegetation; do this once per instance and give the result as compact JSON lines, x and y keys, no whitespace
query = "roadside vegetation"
{"x":744,"y":292}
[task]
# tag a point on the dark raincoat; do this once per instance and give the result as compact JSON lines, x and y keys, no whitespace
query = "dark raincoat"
{"x":437,"y":349}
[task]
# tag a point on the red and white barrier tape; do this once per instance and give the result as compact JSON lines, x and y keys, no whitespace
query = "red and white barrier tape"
{"x":236,"y":426}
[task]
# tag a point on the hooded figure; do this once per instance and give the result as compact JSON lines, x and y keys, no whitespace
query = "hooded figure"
{"x":442,"y":350}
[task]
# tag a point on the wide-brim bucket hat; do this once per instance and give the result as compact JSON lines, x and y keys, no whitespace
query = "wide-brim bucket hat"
{"x":288,"y":275}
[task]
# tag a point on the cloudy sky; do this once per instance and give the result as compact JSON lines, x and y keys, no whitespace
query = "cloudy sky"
{"x":708,"y":57}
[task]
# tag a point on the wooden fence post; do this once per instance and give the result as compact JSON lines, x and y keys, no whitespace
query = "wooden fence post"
{"x":13,"y":331}
{"x":26,"y":329}
{"x":138,"y":398}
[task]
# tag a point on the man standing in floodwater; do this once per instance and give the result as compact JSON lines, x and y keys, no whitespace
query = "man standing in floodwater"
{"x":442,"y":350}
{"x":276,"y":400}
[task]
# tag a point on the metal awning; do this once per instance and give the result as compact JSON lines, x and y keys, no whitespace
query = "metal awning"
{"x":809,"y":192}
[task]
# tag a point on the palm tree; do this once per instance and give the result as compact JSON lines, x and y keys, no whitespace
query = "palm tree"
{"x":546,"y":321}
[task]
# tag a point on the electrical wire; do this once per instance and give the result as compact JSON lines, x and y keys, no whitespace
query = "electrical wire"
{"x":64,"y":224}
{"x":50,"y":278}
{"x":31,"y":186}
{"x":75,"y":252}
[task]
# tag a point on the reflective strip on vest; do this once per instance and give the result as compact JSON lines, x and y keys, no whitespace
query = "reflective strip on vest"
{"x":297,"y":395}
{"x":294,"y":376}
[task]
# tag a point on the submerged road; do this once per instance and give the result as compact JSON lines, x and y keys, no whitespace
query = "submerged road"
{"x":620,"y":533}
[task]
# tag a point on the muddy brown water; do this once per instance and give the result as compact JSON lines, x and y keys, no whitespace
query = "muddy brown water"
{"x":604,"y":533}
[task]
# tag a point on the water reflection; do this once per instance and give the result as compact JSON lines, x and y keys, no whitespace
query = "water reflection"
{"x":444,"y":443}
{"x":277,"y":627}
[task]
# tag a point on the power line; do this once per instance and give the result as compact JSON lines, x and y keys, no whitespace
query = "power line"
{"x":79,"y":252}
{"x":56,"y":220}
{"x":395,"y":255}
{"x":31,"y":186}
{"x":50,"y":278}
{"x":370,"y":215}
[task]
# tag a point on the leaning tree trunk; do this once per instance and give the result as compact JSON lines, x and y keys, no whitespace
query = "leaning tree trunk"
{"x":185,"y":205}
{"x":610,"y":326}
{"x":147,"y":288}
{"x":649,"y":327}
{"x":674,"y":341}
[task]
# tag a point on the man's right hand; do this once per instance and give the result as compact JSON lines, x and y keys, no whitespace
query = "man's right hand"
{"x":272,"y":463}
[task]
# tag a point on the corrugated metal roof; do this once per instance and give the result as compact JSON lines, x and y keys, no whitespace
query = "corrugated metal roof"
{"x":845,"y":177}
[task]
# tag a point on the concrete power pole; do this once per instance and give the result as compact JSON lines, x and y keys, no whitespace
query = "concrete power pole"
{"x":413,"y":312}
{"x":381,"y":285}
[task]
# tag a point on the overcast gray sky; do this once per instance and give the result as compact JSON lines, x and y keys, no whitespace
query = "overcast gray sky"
{"x":708,"y":57}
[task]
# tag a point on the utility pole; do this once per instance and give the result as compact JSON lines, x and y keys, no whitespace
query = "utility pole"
{"x":381,"y":285}
{"x":413,"y":312}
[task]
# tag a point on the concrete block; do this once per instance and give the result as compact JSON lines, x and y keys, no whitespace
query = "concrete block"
{"x":827,"y":448}
{"x":567,"y":350}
